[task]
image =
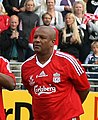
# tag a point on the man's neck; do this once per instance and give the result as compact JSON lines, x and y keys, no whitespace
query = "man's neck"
{"x":13,"y":29}
{"x":43,"y":58}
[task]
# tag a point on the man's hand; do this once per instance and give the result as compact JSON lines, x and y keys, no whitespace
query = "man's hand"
{"x":15,"y":9}
{"x":67,"y":8}
{"x":22,"y":9}
{"x":15,"y":34}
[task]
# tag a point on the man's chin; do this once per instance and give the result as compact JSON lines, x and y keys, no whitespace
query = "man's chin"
{"x":37,"y":51}
{"x":46,"y":24}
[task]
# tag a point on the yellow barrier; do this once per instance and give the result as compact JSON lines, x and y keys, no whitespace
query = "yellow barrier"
{"x":17,"y":105}
{"x":91,"y":107}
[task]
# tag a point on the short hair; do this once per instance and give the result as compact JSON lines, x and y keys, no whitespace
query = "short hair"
{"x":54,"y":1}
{"x":50,"y":30}
{"x":94,"y":43}
{"x":46,"y":14}
{"x":14,"y":16}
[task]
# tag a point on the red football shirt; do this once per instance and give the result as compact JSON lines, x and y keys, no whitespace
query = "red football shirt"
{"x":53,"y":86}
{"x":4,"y":68}
{"x":4,"y":22}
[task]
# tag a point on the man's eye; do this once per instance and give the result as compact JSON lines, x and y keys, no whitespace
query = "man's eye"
{"x":42,"y":37}
{"x":35,"y":37}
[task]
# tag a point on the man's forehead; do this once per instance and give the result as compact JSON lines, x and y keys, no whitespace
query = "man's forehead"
{"x":40,"y":31}
{"x":45,"y":30}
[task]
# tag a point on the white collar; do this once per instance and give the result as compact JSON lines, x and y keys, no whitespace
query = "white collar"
{"x":43,"y":65}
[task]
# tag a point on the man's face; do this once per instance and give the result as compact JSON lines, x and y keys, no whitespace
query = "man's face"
{"x":42,"y":41}
{"x":14,"y":23}
{"x":47,"y":20}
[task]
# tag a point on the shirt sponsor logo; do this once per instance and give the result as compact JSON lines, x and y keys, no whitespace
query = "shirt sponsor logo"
{"x":42,"y":74}
{"x":44,"y":90}
{"x":31,"y":81}
{"x":56,"y":78}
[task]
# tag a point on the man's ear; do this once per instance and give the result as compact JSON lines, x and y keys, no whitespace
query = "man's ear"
{"x":53,"y":41}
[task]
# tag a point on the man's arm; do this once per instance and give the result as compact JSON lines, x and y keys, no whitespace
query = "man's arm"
{"x":7,"y":78}
{"x":83,"y":94}
{"x":7,"y":82}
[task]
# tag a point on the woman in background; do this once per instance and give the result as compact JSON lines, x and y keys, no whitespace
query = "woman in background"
{"x":57,"y":19}
{"x":28,"y":20}
{"x":79,"y":10}
{"x":70,"y":36}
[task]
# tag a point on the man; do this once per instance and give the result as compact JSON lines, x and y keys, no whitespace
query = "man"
{"x":14,"y":6}
{"x":56,"y":80}
{"x":7,"y":80}
{"x":13,"y":42}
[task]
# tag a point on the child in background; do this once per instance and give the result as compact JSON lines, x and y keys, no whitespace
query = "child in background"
{"x":92,"y":58}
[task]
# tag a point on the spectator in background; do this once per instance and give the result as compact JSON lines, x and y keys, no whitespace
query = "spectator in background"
{"x":93,"y":30}
{"x":7,"y":81}
{"x":60,"y":6}
{"x":57,"y":19}
{"x":4,"y":19}
{"x":91,"y":6}
{"x":70,"y":36}
{"x":13,"y":6}
{"x":68,"y":6}
{"x":13,"y":42}
{"x":92,"y":58}
{"x":56,"y":81}
{"x":40,"y":5}
{"x":46,"y":18}
{"x":79,"y":10}
{"x":28,"y":20}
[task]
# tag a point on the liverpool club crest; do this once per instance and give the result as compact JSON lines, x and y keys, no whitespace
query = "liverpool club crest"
{"x":56,"y":78}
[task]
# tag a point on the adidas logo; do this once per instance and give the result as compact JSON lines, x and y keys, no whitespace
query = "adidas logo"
{"x":42,"y":74}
